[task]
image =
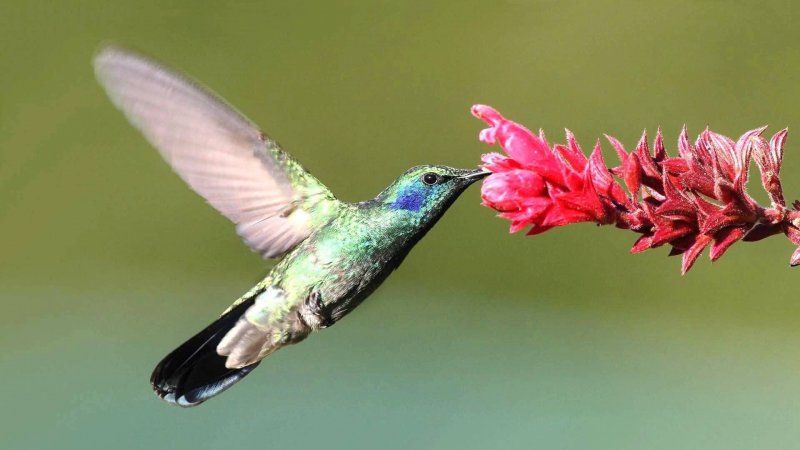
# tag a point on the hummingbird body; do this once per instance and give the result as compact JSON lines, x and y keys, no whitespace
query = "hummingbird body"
{"x":345,"y":259}
{"x":335,"y":254}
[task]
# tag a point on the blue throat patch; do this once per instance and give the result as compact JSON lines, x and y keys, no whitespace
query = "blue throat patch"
{"x":410,"y":199}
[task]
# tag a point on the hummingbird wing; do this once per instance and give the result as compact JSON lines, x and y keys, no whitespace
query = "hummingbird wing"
{"x":223,"y":156}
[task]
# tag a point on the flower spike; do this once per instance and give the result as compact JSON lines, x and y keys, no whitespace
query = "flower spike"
{"x":693,"y":201}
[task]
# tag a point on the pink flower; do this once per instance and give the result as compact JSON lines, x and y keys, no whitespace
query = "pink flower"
{"x":692,"y":201}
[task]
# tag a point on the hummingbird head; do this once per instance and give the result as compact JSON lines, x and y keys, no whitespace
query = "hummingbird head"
{"x":423,"y":193}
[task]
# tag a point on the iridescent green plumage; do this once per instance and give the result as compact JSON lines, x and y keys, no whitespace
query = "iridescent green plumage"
{"x":335,"y":254}
{"x":344,"y":259}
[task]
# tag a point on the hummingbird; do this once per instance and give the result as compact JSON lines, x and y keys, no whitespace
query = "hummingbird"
{"x":334,"y":254}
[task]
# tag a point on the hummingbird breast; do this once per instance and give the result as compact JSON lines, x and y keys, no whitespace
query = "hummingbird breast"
{"x":342,"y":263}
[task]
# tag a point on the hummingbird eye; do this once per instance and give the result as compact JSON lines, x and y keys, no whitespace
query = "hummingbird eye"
{"x":430,"y":178}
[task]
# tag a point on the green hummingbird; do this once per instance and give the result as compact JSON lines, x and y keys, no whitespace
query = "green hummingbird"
{"x":334,"y":253}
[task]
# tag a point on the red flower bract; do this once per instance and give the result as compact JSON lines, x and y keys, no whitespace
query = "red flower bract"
{"x":692,"y":201}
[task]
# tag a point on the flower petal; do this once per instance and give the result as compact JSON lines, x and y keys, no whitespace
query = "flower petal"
{"x":506,"y":191}
{"x":691,"y":255}
{"x":643,"y":243}
{"x":519,"y":143}
{"x":795,"y":259}
{"x":724,"y":238}
{"x":601,"y":177}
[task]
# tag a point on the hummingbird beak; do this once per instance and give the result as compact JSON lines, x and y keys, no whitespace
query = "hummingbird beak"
{"x":475,"y":175}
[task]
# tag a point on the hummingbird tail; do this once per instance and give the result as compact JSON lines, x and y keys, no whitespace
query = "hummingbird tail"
{"x":194,"y":372}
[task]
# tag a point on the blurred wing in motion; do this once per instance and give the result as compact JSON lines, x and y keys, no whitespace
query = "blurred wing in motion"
{"x":223,"y":156}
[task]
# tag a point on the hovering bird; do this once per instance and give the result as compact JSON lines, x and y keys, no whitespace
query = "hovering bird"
{"x":334,"y":254}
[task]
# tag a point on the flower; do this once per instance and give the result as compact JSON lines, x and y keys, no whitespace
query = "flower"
{"x":691,"y":201}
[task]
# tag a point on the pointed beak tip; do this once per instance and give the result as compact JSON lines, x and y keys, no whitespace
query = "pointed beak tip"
{"x":477,"y":174}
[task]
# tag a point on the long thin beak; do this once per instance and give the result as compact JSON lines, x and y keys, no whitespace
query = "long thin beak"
{"x":476,"y":175}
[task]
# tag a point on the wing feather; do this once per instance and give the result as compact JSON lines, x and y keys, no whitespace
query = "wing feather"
{"x":220,"y":154}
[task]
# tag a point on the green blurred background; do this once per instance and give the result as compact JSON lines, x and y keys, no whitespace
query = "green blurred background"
{"x":481,"y":339}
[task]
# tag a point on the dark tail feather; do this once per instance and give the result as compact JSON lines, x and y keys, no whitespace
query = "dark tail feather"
{"x":194,"y":372}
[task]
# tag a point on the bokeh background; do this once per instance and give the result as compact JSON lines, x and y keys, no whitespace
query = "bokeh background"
{"x":481,"y":339}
